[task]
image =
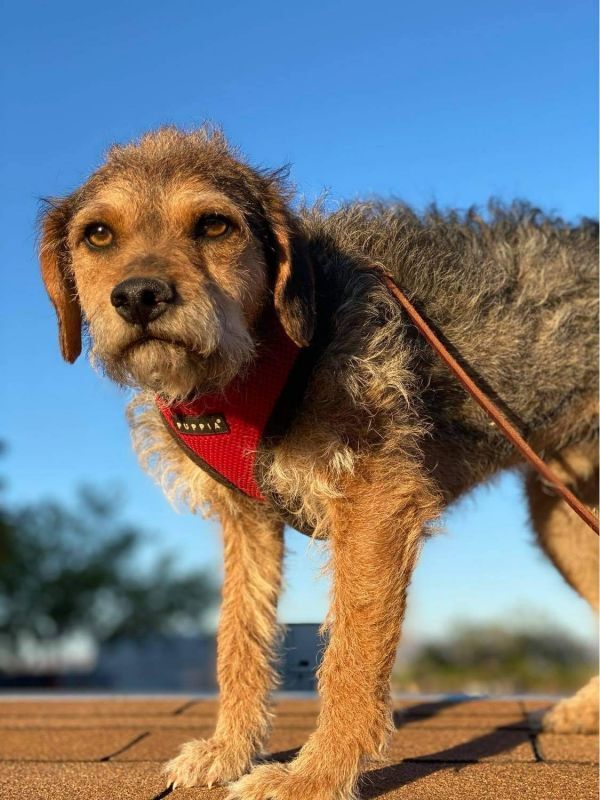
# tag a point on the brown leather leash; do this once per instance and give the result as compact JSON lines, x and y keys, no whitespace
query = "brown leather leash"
{"x":488,"y":405}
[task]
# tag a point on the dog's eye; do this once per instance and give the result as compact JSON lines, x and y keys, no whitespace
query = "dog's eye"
{"x":98,"y":235}
{"x":211,"y":227}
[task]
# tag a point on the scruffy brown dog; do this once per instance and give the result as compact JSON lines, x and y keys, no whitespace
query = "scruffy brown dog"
{"x":381,"y":437}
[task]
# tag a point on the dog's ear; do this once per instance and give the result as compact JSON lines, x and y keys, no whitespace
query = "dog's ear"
{"x":54,"y":262}
{"x":293,"y":275}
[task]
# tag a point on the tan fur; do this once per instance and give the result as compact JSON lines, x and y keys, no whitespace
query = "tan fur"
{"x":577,"y":714}
{"x":383,"y":438}
{"x":561,"y":534}
{"x":574,"y":551}
{"x":253,"y":551}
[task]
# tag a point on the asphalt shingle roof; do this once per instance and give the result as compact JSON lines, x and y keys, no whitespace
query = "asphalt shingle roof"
{"x":115,"y":747}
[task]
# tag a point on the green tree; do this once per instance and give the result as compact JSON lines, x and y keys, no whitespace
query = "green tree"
{"x":500,"y":658}
{"x":67,"y":571}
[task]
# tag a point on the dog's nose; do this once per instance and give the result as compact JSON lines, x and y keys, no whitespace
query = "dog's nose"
{"x":140,"y":300}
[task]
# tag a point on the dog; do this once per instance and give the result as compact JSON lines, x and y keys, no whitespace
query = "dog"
{"x":182,"y":265}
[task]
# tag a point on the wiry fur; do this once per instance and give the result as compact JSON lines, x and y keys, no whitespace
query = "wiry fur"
{"x":384,"y":437}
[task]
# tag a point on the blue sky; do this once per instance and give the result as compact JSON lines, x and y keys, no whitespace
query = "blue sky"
{"x":451,"y":102}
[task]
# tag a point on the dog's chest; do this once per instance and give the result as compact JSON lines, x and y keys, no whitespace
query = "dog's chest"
{"x":227,"y":433}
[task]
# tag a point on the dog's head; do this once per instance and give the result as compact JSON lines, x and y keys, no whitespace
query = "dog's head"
{"x":169,"y":255}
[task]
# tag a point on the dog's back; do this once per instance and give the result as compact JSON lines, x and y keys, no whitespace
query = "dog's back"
{"x":515,"y":296}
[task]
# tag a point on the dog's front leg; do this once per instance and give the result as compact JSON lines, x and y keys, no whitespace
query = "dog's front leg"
{"x":375,"y":535}
{"x":253,"y":551}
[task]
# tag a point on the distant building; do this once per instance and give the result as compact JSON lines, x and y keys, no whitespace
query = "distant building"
{"x":172,"y":664}
{"x":159,"y":663}
{"x":300,"y":656}
{"x":188,"y":664}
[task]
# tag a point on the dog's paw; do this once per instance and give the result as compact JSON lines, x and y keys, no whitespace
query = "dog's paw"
{"x":577,"y":714}
{"x":280,"y":782}
{"x":207,"y":762}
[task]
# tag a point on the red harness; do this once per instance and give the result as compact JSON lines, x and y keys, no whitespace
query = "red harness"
{"x":222,"y":432}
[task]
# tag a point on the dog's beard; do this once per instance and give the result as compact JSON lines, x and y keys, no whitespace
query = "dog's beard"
{"x":172,"y":359}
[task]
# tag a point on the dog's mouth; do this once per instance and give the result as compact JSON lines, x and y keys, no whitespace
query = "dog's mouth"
{"x":174,"y":365}
{"x":169,"y":366}
{"x":148,"y":339}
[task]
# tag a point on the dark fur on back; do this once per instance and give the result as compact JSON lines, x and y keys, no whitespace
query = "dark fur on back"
{"x":513,"y":294}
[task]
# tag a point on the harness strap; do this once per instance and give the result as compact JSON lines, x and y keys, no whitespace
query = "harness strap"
{"x":487,"y":404}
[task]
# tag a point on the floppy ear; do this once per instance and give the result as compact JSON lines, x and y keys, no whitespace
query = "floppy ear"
{"x":294,"y":279}
{"x":54,"y":262}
